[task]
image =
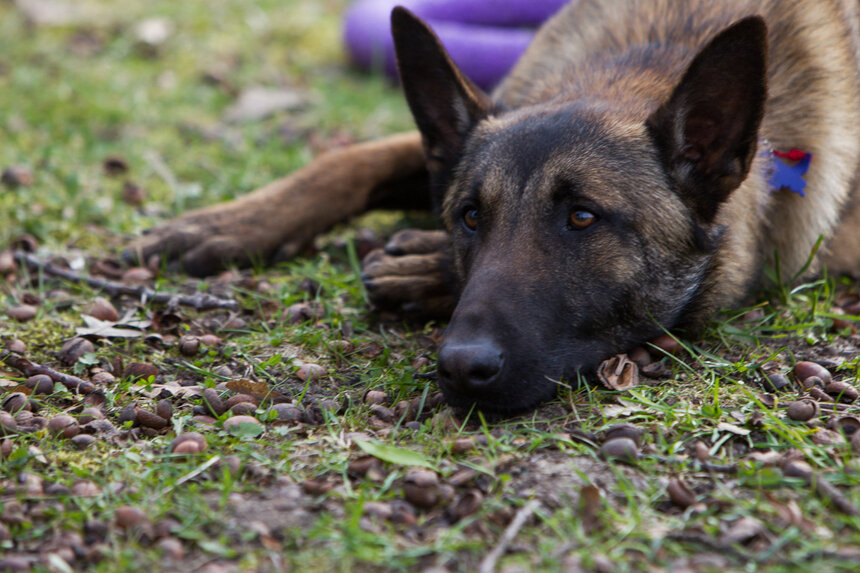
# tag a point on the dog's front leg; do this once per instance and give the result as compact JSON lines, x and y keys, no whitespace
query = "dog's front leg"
{"x":278,"y":220}
{"x":413,"y":275}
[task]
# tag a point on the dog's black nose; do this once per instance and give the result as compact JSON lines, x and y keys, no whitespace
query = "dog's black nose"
{"x":469,"y":369}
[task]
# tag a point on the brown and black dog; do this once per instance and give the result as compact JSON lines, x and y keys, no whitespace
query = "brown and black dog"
{"x":626,"y":177}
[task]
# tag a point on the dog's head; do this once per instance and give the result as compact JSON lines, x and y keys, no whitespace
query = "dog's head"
{"x":580,"y":228}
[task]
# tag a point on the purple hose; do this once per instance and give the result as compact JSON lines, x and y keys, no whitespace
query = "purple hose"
{"x":484,"y":37}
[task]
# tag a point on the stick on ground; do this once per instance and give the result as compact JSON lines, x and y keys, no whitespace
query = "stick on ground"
{"x":198,"y":301}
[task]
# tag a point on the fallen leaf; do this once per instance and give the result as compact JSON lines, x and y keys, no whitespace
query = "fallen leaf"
{"x":255,"y":103}
{"x":394,"y":455}
{"x":112,"y":329}
{"x":256,"y":389}
{"x":737,"y":430}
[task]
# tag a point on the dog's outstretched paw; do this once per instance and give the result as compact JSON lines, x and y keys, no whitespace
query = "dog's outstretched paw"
{"x":412,"y":275}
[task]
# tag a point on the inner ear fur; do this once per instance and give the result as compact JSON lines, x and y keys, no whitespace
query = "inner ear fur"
{"x":445,"y":103}
{"x":708,"y":129}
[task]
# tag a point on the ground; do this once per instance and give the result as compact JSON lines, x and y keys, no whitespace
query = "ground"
{"x":118,"y":115}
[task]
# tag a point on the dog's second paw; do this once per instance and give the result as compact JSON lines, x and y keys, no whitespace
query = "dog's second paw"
{"x":413,"y":275}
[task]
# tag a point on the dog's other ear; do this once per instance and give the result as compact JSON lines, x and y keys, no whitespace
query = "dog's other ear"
{"x":445,"y":103}
{"x":708,"y":129}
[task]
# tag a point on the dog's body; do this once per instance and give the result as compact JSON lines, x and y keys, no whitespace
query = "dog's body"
{"x":616,"y":183}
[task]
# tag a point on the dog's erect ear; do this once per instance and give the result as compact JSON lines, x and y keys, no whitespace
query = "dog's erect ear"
{"x":445,"y":103}
{"x":708,"y":130}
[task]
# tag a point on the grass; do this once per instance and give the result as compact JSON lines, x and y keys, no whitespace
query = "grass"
{"x":283,"y":496}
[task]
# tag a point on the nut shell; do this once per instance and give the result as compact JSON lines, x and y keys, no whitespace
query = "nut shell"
{"x":802,"y":410}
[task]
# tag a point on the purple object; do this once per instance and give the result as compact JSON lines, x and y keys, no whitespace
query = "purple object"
{"x":484,"y":37}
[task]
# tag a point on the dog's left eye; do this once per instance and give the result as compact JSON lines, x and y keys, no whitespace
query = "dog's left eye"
{"x":470,"y":219}
{"x":581,"y":219}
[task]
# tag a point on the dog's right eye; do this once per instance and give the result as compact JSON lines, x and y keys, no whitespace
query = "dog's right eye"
{"x":470,"y":219}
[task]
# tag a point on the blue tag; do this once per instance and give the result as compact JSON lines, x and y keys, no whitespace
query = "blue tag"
{"x":789,"y":176}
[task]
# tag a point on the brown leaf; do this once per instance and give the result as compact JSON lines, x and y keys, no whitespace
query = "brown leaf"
{"x":618,"y":373}
{"x":254,"y":388}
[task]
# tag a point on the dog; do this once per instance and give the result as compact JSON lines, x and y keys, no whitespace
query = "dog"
{"x":635,"y":172}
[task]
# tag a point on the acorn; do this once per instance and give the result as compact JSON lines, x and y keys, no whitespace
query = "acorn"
{"x":213,"y":402}
{"x":805,"y":369}
{"x":22,"y":312}
{"x":64,"y":426}
{"x":310,"y":372}
{"x":15,"y":402}
{"x":421,"y":487}
{"x":40,"y":384}
{"x":842,"y":392}
{"x":774,"y":382}
{"x":620,"y":449}
{"x":375,"y":397}
{"x":102,"y":309}
{"x":189,"y":345}
{"x":140,"y":370}
{"x":680,"y":493}
{"x":802,"y":410}
{"x":188,"y":443}
{"x":8,"y":424}
{"x":624,"y":430}
{"x":74,"y":349}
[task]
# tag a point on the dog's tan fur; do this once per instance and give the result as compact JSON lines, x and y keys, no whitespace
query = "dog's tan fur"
{"x":614,"y":67}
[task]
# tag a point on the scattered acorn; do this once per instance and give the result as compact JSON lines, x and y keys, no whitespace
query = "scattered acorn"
{"x":16,"y":345}
{"x":150,"y":420}
{"x":132,"y":193}
{"x":213,"y":402}
{"x":375,"y":397}
{"x":468,"y":503}
{"x":164,"y":408}
{"x":140,"y":370}
{"x":128,"y":517}
{"x":667,"y":343}
{"x":240,"y":399}
{"x":624,"y":430}
{"x":17,"y":176}
{"x":237,"y":421}
{"x":310,"y":372}
{"x":40,"y":384}
{"x":188,"y":443}
{"x":421,"y":487}
{"x":64,"y":426}
{"x":383,"y":413}
{"x":75,"y":348}
{"x":620,"y":449}
{"x":287,"y":413}
{"x":87,"y":415}
{"x":22,"y":312}
{"x":802,"y":410}
{"x":15,"y":402}
{"x":818,"y":394}
{"x":189,"y":345}
{"x":103,"y":378}
{"x":842,"y":392}
{"x":680,"y":493}
{"x":8,"y":424}
{"x":83,"y":441}
{"x":243,"y":408}
{"x":774,"y":382}
{"x":102,"y":309}
{"x":805,"y":369}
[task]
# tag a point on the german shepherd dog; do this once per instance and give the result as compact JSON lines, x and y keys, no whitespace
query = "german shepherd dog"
{"x":625,"y":178}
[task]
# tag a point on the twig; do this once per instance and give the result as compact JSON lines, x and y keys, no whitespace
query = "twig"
{"x":697,"y":465}
{"x":488,"y":564}
{"x":198,"y":301}
{"x":29,"y":368}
